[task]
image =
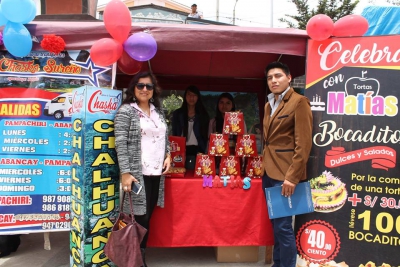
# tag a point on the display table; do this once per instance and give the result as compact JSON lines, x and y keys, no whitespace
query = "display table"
{"x":197,"y":216}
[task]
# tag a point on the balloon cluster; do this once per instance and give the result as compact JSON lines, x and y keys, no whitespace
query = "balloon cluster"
{"x":128,"y":52}
{"x":16,"y":37}
{"x":320,"y":27}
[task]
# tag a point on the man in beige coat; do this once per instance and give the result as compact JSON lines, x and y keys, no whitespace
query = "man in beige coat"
{"x":287,"y":144}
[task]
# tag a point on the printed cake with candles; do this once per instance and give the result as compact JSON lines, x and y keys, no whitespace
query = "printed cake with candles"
{"x":328,"y":192}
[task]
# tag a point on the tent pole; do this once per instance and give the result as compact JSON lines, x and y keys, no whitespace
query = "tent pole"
{"x":217,"y":10}
{"x":234,"y":13}
{"x":272,"y":14}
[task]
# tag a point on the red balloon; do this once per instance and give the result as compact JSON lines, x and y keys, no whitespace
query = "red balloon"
{"x":128,"y":65}
{"x":106,"y":52}
{"x":350,"y":25}
{"x":319,"y":27}
{"x":117,"y":19}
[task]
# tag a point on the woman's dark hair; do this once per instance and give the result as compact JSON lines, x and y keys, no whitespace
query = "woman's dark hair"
{"x":256,"y":126}
{"x":130,"y":92}
{"x":200,"y":111}
{"x":219,"y":119}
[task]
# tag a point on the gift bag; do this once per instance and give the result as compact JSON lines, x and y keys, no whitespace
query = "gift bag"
{"x":246,"y":146}
{"x":218,"y":145}
{"x":230,"y":165}
{"x":233,"y":123}
{"x":123,"y":245}
{"x":205,"y":165}
{"x":254,"y":167}
{"x":178,"y":150}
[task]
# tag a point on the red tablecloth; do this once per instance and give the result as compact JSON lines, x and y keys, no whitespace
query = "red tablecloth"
{"x":197,"y":216}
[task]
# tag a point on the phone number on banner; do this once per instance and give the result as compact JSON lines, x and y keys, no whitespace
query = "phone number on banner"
{"x":56,"y":225}
{"x":58,"y":199}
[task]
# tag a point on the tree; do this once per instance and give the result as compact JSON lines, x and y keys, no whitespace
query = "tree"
{"x":335,"y":9}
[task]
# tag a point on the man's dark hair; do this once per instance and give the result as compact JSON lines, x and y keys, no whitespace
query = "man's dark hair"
{"x":194,"y":5}
{"x":277,"y":65}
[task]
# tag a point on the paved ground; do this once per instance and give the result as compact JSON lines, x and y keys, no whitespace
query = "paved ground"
{"x":32,"y":253}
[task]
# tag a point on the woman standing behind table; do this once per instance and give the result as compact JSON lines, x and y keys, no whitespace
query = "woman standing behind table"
{"x":142,"y":146}
{"x":225,"y":103}
{"x":190,"y":121}
{"x":256,"y":130}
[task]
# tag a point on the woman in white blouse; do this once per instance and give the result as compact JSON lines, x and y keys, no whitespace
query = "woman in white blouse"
{"x":142,"y":146}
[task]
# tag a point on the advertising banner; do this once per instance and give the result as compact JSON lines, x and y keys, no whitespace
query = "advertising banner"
{"x":353,"y":86}
{"x":35,"y":123}
{"x":94,"y":174}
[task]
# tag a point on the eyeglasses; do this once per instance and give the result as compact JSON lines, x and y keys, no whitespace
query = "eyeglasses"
{"x":149,"y":86}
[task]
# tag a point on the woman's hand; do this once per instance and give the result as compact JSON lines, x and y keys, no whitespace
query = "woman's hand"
{"x":167,"y":164}
{"x":126,"y":180}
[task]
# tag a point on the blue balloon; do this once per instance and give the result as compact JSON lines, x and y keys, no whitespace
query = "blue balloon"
{"x":18,"y":10}
{"x":3,"y":19}
{"x":17,"y":39}
{"x":31,"y":16}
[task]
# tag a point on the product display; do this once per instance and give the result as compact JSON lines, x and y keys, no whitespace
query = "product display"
{"x":218,"y":145}
{"x":372,"y":264}
{"x":246,"y":146}
{"x":178,"y":150}
{"x":229,"y":166}
{"x":254,"y":167}
{"x":176,"y":172}
{"x":233,"y":123}
{"x":328,"y":192}
{"x":205,"y":165}
{"x":240,"y":158}
{"x":305,"y":263}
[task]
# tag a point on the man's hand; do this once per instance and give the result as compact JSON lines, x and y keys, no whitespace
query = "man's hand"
{"x":288,"y":188}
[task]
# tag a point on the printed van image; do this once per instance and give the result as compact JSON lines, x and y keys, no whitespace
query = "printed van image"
{"x":59,"y":107}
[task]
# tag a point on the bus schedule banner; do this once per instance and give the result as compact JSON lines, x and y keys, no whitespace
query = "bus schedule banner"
{"x":353,"y":87}
{"x":35,"y":123}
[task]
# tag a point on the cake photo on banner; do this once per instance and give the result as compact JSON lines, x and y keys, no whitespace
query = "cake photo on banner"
{"x":328,"y":192}
{"x":352,"y":84}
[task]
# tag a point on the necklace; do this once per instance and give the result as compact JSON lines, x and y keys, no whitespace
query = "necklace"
{"x":191,"y":119}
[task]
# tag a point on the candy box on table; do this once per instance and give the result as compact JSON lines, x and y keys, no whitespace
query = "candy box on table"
{"x":254,"y":167}
{"x":205,"y":165}
{"x":178,"y":150}
{"x":246,"y":146}
{"x":233,"y":123}
{"x":229,"y":165}
{"x":218,"y":145}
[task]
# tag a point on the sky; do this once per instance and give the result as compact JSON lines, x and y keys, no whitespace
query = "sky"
{"x":255,"y":13}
